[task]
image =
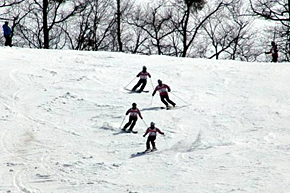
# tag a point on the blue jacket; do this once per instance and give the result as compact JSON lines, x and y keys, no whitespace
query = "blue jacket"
{"x":7,"y":30}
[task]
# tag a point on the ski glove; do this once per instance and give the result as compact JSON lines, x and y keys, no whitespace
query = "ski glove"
{"x":144,"y":135}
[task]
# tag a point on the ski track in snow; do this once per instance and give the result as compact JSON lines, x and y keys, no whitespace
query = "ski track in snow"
{"x":61,"y":114}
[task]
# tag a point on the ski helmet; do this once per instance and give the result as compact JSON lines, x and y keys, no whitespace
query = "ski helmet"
{"x":134,"y":104}
{"x":152,"y":123}
{"x":144,"y":68}
{"x":273,"y":43}
{"x":159,"y":81}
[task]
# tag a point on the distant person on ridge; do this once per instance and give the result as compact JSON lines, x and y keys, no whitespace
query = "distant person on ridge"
{"x":143,"y":79}
{"x":134,"y":113}
{"x":163,"y":88}
{"x":273,"y":51}
{"x":152,"y":130}
{"x":7,"y":34}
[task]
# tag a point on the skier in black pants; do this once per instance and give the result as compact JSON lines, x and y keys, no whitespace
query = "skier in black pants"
{"x":134,"y":112}
{"x":152,"y":130}
{"x":7,"y":34}
{"x":274,"y":52}
{"x":143,"y":79}
{"x":163,"y":88}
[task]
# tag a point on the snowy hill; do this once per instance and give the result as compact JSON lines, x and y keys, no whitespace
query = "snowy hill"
{"x":61,"y":112}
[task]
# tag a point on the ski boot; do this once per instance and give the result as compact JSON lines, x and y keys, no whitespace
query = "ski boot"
{"x":154,"y":149}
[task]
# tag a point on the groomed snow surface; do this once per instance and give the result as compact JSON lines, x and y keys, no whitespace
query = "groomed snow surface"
{"x":61,"y":113}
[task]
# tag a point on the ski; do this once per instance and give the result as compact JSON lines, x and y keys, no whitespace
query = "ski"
{"x":162,"y":108}
{"x":128,"y":131}
{"x":136,"y":91}
{"x":141,"y":153}
{"x":132,"y":132}
{"x":146,"y":151}
{"x":172,"y":108}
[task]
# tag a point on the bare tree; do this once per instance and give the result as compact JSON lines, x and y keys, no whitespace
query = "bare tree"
{"x":188,"y":21}
{"x":279,"y":13}
{"x":8,"y":3}
{"x":136,"y":37}
{"x":91,"y":29}
{"x":156,"y":22}
{"x":230,"y":32}
{"x":119,"y":31}
{"x":44,"y":20}
{"x":119,"y":15}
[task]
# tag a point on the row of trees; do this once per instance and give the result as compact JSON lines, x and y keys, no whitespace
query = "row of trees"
{"x":183,"y":28}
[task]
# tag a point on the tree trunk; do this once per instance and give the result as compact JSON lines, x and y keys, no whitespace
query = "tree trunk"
{"x":289,"y":10}
{"x":185,"y":26}
{"x":45,"y":25}
{"x":119,"y":26}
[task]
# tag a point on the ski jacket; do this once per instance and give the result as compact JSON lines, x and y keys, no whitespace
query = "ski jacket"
{"x":6,"y":30}
{"x":134,"y":113}
{"x":143,"y":75}
{"x":273,"y":50}
{"x":162,"y":89}
{"x":153,"y":131}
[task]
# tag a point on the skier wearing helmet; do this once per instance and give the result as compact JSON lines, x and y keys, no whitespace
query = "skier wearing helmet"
{"x":143,"y":79}
{"x":152,"y":130}
{"x":163,"y":88}
{"x":134,"y":113}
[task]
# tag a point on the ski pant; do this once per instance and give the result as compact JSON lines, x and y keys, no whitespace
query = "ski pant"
{"x":274,"y":57}
{"x":8,"y":41}
{"x":165,"y":99}
{"x":150,"y":139}
{"x":141,"y":82}
{"x":131,"y":123}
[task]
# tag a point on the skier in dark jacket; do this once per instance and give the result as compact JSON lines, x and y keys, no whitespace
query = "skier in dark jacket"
{"x":273,"y":51}
{"x":7,"y":34}
{"x":143,"y":79}
{"x":134,"y":113}
{"x":163,"y":88}
{"x":152,"y":130}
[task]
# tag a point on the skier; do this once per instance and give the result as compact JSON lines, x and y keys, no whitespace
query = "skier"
{"x":163,"y":88}
{"x":143,"y":79}
{"x":7,"y":34}
{"x":134,"y":112}
{"x":273,"y":51}
{"x":152,"y":130}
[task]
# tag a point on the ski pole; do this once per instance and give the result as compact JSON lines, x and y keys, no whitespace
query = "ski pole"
{"x":130,"y":82}
{"x":122,"y":122}
{"x":151,"y":101}
{"x":151,"y":83}
{"x":144,"y":123}
{"x":165,"y":141}
{"x":180,"y":98}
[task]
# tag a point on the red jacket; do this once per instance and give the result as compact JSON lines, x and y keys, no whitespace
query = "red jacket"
{"x":162,"y":89}
{"x":143,"y":75}
{"x":134,"y":113}
{"x":153,"y":131}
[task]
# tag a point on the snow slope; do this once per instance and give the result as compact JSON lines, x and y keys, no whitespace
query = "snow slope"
{"x":61,"y":112}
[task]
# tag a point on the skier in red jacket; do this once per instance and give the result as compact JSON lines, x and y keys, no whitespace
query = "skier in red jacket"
{"x":152,"y":130}
{"x":134,"y":113}
{"x":163,"y":88}
{"x":143,"y":79}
